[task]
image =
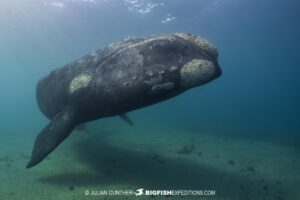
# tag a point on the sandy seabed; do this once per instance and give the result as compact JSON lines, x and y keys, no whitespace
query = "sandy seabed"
{"x":112,"y":160}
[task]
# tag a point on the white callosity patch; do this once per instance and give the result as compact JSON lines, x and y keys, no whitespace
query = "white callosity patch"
{"x":81,"y":81}
{"x":200,"y":42}
{"x":164,"y":86}
{"x":196,"y":72}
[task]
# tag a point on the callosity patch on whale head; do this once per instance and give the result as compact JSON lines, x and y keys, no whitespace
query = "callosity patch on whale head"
{"x":200,"y":42}
{"x":79,"y":82}
{"x":196,"y":72}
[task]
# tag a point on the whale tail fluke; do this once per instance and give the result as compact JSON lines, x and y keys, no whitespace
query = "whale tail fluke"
{"x":51,"y":136}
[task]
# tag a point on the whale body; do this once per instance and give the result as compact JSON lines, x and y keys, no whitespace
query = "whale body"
{"x":124,"y":76}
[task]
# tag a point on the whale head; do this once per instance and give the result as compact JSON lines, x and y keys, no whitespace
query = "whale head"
{"x":178,"y":61}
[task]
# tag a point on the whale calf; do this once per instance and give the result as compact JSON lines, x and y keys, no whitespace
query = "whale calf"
{"x":124,"y":76}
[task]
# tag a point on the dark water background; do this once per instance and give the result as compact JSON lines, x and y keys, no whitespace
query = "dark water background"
{"x":257,"y":97}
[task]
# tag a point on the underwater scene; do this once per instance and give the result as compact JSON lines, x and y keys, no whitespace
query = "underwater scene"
{"x":149,"y":99}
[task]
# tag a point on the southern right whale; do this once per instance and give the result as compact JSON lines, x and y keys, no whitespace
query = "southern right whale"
{"x":125,"y":76}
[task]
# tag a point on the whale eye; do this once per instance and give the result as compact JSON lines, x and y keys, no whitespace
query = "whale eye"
{"x":196,"y":72}
{"x":81,"y":81}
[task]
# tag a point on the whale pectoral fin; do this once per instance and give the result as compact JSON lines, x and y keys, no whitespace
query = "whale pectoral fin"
{"x":126,"y":119}
{"x":51,"y":136}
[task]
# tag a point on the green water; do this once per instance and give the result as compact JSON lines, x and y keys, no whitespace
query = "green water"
{"x":238,"y":135}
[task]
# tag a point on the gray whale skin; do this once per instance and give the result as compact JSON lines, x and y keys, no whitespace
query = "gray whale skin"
{"x":124,"y":76}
